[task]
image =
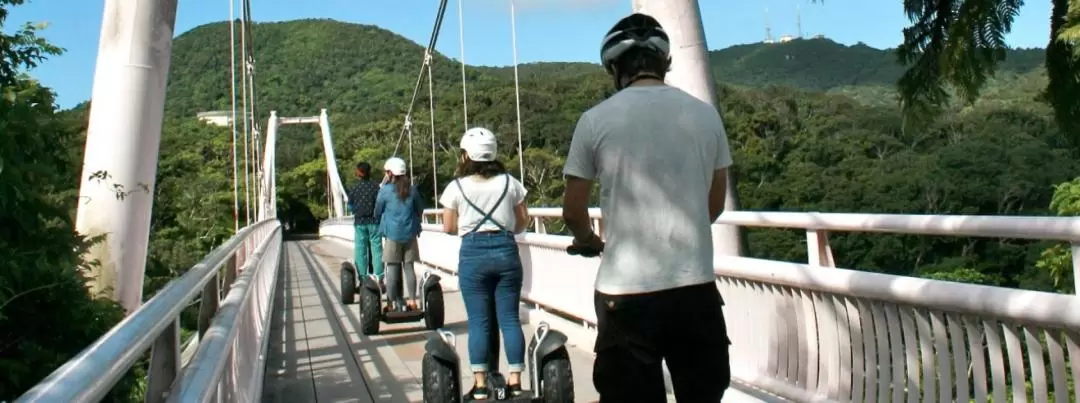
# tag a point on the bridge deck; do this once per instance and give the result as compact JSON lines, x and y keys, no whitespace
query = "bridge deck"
{"x":316,"y":352}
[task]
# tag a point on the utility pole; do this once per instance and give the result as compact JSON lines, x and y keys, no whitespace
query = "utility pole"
{"x":120,"y":163}
{"x":690,"y":72}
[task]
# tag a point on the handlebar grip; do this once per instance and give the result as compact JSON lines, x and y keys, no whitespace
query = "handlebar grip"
{"x":582,"y":251}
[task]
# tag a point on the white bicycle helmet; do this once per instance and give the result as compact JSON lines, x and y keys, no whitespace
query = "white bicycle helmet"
{"x":479,"y":144}
{"x":635,"y":31}
{"x":396,"y":166}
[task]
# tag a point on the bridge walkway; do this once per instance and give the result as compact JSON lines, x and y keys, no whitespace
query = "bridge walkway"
{"x":317,"y":354}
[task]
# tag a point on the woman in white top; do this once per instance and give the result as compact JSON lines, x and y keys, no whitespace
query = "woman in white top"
{"x":486,"y":206}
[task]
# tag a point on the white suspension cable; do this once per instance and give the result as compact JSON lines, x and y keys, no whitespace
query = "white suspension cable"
{"x":247,"y":131}
{"x":431,"y":109}
{"x":410,"y":153}
{"x":255,"y":168}
{"x":461,"y":40}
{"x":232,"y":116}
{"x":517,"y":88}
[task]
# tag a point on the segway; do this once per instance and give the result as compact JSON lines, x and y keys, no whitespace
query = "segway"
{"x":349,"y":287}
{"x":551,"y":379}
{"x":432,"y":310}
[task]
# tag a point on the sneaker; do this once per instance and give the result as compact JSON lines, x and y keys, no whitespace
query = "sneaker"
{"x":515,"y":390}
{"x":480,"y":392}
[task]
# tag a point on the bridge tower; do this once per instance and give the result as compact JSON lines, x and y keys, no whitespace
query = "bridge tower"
{"x":690,"y":72}
{"x":268,"y":190}
{"x":120,"y":162}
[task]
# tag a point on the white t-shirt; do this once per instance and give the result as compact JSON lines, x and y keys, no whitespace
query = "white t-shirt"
{"x":654,"y":150}
{"x":484,"y":192}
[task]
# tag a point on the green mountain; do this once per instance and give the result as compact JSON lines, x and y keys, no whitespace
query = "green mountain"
{"x":299,"y":61}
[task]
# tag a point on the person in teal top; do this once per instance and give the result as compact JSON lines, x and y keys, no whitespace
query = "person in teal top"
{"x":399,"y":209}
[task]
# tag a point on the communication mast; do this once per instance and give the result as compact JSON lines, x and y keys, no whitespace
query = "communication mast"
{"x":768,"y":29}
{"x":798,"y":20}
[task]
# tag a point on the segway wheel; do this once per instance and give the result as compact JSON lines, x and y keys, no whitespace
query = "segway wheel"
{"x":434,"y":308}
{"x":440,"y":383}
{"x":348,"y":284}
{"x":370,"y":311}
{"x":557,"y":379}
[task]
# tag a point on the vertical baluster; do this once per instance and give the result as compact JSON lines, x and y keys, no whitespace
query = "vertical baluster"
{"x":164,"y":363}
{"x":997,"y":359}
{"x":1038,"y":367}
{"x":1057,"y":364}
{"x":926,"y":354}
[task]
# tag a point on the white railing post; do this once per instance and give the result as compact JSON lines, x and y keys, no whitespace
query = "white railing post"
{"x":818,"y":251}
{"x":1075,"y":249}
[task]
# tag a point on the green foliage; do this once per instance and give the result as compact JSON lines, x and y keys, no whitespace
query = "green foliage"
{"x":46,"y":313}
{"x":1057,"y":259}
{"x":1062,"y":62}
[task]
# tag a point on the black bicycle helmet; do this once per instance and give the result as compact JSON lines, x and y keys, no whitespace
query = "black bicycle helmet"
{"x":635,"y":31}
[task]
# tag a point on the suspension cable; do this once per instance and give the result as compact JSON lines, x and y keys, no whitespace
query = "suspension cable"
{"x":461,"y":39}
{"x":431,"y":108}
{"x":517,"y":88}
{"x":247,"y":132}
{"x":250,"y":64}
{"x":232,"y":116}
{"x":410,"y":151}
{"x":420,"y":77}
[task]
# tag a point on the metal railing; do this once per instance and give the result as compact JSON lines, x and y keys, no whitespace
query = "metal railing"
{"x":90,"y":375}
{"x":813,"y":332}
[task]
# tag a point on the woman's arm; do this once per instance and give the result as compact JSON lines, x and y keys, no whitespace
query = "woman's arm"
{"x":380,"y":205}
{"x":449,"y":220}
{"x":521,"y":212}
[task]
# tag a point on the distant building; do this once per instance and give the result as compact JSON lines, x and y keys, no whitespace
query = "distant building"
{"x":216,"y":118}
{"x":786,"y":38}
{"x":819,"y":36}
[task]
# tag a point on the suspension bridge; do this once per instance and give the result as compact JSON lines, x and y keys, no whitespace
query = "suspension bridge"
{"x":272,"y":329}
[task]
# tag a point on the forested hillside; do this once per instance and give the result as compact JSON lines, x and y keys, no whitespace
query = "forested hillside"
{"x":797,"y":147}
{"x":814,"y":126}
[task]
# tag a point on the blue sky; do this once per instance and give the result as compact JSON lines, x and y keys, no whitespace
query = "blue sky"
{"x":548,"y":30}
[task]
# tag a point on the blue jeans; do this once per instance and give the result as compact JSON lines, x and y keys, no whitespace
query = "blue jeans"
{"x":489,"y":270}
{"x":367,"y":244}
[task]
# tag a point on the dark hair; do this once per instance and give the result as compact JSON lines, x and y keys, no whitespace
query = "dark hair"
{"x":637,"y":61}
{"x":402,"y":186}
{"x":364,"y":168}
{"x":485,"y":169}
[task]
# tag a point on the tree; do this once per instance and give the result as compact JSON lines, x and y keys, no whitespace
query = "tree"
{"x":961,"y":43}
{"x":46,"y":313}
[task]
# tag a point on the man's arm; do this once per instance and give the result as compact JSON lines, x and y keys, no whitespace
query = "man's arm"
{"x":718,"y":188}
{"x":717,"y":194}
{"x":576,"y":207}
{"x":580,"y":170}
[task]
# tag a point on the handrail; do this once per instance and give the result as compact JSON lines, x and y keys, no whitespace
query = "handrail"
{"x":90,"y":375}
{"x":1037,"y":308}
{"x":195,"y":382}
{"x":1022,"y":227}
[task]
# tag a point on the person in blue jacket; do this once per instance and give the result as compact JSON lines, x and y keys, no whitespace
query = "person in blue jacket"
{"x":399,"y":210}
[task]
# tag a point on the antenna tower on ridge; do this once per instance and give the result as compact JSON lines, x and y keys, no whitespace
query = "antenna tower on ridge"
{"x":798,"y":20}
{"x":768,"y":29}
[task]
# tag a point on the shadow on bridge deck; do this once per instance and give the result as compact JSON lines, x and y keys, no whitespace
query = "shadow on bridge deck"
{"x":316,"y":352}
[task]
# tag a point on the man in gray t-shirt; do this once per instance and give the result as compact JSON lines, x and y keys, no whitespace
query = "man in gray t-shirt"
{"x":660,"y":156}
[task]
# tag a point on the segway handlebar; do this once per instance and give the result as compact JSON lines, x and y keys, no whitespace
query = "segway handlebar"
{"x":583,"y":251}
